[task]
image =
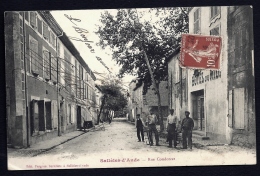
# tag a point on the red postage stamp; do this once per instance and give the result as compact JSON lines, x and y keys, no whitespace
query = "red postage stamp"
{"x":200,"y":52}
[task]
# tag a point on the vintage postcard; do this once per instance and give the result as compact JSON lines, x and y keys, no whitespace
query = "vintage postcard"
{"x":140,"y":87}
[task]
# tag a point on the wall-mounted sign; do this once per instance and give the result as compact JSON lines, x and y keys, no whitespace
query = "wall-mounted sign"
{"x":200,"y":52}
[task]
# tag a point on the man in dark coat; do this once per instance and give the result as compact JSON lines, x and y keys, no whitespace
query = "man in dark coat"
{"x":187,"y":127}
{"x":139,"y":126}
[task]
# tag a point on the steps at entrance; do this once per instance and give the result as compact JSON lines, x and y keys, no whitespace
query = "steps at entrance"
{"x":200,"y":134}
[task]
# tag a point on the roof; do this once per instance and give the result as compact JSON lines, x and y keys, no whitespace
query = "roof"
{"x":174,"y":53}
{"x":46,"y":15}
{"x":52,"y":23}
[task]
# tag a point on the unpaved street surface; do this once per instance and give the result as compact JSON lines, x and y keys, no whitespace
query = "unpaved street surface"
{"x":117,"y":146}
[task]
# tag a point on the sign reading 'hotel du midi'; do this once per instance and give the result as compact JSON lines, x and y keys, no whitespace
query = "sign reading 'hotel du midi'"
{"x":200,"y":52}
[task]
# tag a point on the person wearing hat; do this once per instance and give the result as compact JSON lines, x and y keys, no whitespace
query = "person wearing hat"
{"x":139,"y":125}
{"x":171,"y":124}
{"x":152,"y":127}
{"x":187,"y":127}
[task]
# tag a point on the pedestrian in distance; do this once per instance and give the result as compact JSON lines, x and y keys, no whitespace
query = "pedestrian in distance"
{"x":152,"y":128}
{"x":187,"y":127}
{"x":139,"y":125}
{"x":171,"y":124}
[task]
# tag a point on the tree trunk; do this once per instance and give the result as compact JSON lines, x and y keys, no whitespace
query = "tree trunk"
{"x":102,"y":105}
{"x":155,"y":88}
{"x":153,"y":81}
{"x":160,"y":111}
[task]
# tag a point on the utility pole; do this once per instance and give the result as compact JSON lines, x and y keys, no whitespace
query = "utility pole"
{"x":25,"y":82}
{"x":58,"y":99}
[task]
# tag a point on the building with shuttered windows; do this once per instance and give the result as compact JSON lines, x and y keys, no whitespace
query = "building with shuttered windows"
{"x":222,"y":101}
{"x":49,"y":86}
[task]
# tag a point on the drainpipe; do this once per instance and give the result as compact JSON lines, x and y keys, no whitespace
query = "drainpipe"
{"x":25,"y":85}
{"x":58,"y":100}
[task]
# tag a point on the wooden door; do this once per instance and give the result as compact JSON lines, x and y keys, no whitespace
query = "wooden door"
{"x":48,"y":116}
{"x":78,"y":117}
{"x":42,"y":118}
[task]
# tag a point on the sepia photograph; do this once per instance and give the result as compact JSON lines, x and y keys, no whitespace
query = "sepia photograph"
{"x":130,"y":87}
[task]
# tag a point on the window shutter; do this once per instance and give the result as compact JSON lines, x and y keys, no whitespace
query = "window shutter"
{"x":34,"y":117}
{"x":55,"y":114}
{"x":39,"y":25}
{"x":239,"y":108}
{"x":72,"y":113}
{"x":46,"y":64}
{"x":46,"y":33}
{"x":26,"y":16}
{"x":33,"y":19}
{"x":34,"y":55}
{"x":197,"y":21}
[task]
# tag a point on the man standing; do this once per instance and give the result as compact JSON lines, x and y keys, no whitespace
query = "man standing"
{"x":171,"y":124}
{"x":152,"y":128}
{"x":187,"y":127}
{"x":139,"y":126}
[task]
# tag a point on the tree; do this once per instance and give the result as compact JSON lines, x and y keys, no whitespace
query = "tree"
{"x":140,"y":47}
{"x":113,"y":99}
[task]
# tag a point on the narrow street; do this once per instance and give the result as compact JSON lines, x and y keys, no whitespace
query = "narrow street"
{"x":117,"y":146}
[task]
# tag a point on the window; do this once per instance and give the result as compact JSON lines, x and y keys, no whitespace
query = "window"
{"x":197,"y":21}
{"x":33,"y":19}
{"x":34,"y":58}
{"x":215,"y":31}
{"x":46,"y":33}
{"x":215,"y":10}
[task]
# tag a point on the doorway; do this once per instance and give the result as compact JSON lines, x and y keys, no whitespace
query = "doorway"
{"x":79,"y":117}
{"x":198,"y":109}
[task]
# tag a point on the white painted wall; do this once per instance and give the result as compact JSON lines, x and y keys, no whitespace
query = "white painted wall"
{"x":215,"y":96}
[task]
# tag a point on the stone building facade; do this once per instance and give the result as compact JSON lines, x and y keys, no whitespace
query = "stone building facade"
{"x":48,"y":84}
{"x":140,"y":104}
{"x":221,"y":102}
{"x":177,"y":85}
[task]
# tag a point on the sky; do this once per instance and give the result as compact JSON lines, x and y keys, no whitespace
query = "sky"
{"x":88,"y":20}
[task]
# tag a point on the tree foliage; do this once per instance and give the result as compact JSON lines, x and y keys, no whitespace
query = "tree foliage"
{"x":114,"y":98}
{"x":130,"y":32}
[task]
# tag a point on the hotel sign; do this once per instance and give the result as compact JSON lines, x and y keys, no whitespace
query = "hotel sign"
{"x":200,"y":52}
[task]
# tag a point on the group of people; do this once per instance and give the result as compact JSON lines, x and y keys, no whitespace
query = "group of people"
{"x":172,"y":126}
